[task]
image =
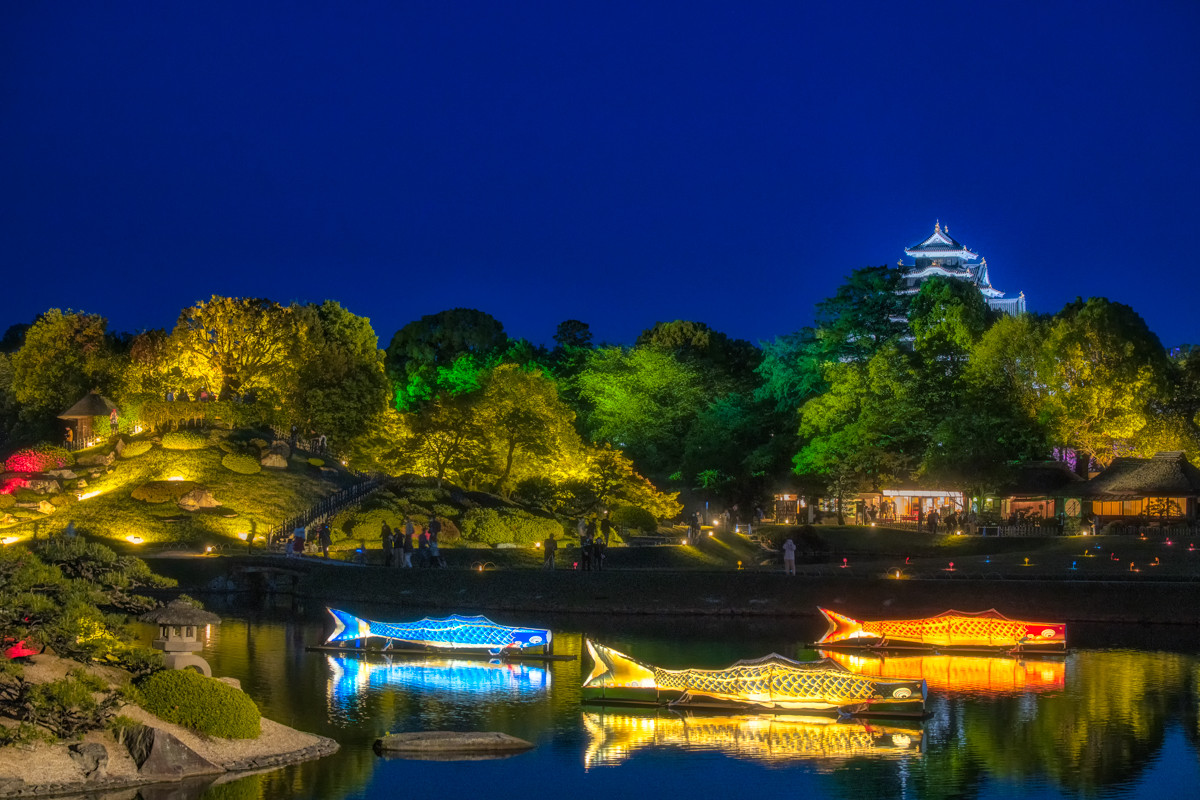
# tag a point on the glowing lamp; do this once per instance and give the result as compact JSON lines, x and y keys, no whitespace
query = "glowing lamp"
{"x":872,"y":524}
{"x":537,"y":544}
{"x":175,"y":478}
{"x":134,"y":539}
{"x":208,"y":549}
{"x":958,"y":533}
{"x":710,"y":533}
{"x":86,"y":495}
{"x":845,"y":563}
{"x":1169,"y":543}
{"x":683,"y":541}
{"x":897,"y":574}
{"x":9,"y":539}
{"x":243,"y":536}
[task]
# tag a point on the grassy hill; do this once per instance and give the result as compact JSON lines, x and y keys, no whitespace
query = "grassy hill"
{"x":136,"y":495}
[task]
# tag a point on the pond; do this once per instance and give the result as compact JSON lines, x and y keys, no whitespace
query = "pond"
{"x":1116,"y":717}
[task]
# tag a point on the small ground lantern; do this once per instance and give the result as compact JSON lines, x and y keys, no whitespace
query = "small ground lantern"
{"x":181,"y":633}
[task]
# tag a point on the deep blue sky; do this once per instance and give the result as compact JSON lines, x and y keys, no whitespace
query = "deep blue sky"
{"x":615,"y":162}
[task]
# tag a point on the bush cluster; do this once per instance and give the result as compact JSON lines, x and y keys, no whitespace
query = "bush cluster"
{"x":205,"y":705}
{"x":633,"y":517}
{"x":39,"y":459}
{"x":135,"y":449}
{"x":316,"y":462}
{"x":241,"y":464}
{"x":504,"y":525}
{"x":184,"y":440}
{"x":163,"y":491}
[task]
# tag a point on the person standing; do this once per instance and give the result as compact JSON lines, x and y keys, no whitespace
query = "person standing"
{"x":324,"y":539}
{"x":386,"y":537}
{"x":435,"y":535}
{"x":298,"y":536}
{"x":407,"y":545}
{"x":933,"y":521}
{"x":605,"y":528}
{"x":114,"y":420}
{"x":423,"y":548}
{"x":789,"y":557}
{"x":550,"y":546}
{"x":585,"y":545}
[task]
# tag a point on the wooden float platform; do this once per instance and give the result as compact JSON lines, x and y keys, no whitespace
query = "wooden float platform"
{"x":481,"y":655}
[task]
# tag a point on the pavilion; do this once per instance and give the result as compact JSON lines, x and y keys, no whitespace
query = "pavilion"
{"x":81,"y":414}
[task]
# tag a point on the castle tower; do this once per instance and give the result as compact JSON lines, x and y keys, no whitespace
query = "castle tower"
{"x":942,"y":255}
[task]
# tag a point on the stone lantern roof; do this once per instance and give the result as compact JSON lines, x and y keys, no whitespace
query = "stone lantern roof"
{"x":181,"y":612}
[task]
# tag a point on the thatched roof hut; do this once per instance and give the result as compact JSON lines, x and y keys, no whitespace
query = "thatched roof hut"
{"x":92,"y":405}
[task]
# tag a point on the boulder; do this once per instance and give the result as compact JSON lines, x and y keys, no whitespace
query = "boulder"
{"x":44,"y":485}
{"x":281,"y":447}
{"x":91,"y":757}
{"x":119,"y":448}
{"x":62,"y":474}
{"x":198,"y":498}
{"x":274,"y":460}
{"x":161,"y":756}
{"x":46,"y":507}
{"x":96,"y":459}
{"x":81,"y":484}
{"x":7,"y":519}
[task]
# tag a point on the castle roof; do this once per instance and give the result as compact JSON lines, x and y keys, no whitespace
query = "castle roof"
{"x":940,"y":244}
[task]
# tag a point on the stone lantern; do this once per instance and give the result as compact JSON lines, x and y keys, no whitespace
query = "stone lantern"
{"x":181,"y":634}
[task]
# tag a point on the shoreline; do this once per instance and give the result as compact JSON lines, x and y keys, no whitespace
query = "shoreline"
{"x":702,"y":593}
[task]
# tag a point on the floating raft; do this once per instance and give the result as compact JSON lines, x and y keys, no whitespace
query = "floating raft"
{"x":770,"y":684}
{"x":950,"y":630}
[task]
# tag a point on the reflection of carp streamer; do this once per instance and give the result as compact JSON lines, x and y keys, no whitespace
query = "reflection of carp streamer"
{"x":994,"y":674}
{"x":769,"y":682}
{"x":349,"y":677}
{"x":615,"y":737}
{"x":951,"y":629}
{"x":450,"y":633}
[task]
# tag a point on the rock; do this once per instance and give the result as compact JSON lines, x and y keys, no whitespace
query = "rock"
{"x":506,"y":546}
{"x":161,"y":756}
{"x":62,"y":474}
{"x":198,"y":498}
{"x":10,"y":787}
{"x":92,"y":758}
{"x":119,"y":447}
{"x":96,"y":459}
{"x":81,"y":484}
{"x":46,"y":507}
{"x":44,"y":485}
{"x":274,"y":461}
{"x":234,"y":682}
{"x":7,"y":519}
{"x":443,"y":744}
{"x":281,"y":447}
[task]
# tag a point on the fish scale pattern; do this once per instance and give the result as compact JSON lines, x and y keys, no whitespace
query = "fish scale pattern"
{"x":951,"y":630}
{"x":772,"y":683}
{"x":452,"y":631}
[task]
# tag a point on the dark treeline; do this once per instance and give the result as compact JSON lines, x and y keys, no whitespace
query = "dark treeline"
{"x":883,"y":387}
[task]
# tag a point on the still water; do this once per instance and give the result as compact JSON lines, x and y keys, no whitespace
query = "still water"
{"x":1117,"y":717}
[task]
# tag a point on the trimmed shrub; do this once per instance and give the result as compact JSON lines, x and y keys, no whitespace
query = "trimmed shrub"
{"x":7,"y":501}
{"x":39,"y":459}
{"x":632,"y":517}
{"x":226,"y":447}
{"x":163,"y":491}
{"x":184,"y":440}
{"x":425,"y":496}
{"x":243,"y":465}
{"x":316,"y":462}
{"x":205,"y":705}
{"x":502,"y":525}
{"x":443,"y":510}
{"x":135,"y":449}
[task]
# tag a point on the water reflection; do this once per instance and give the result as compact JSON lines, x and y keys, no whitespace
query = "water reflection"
{"x":993,"y":675}
{"x":615,"y":737}
{"x":350,"y":678}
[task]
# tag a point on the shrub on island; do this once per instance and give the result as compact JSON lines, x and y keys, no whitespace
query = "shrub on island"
{"x":184,"y":440}
{"x":205,"y":705}
{"x":241,"y":464}
{"x":506,"y":525}
{"x":135,"y":449}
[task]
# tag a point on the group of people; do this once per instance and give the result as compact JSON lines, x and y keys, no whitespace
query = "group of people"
{"x":399,"y":547}
{"x":295,"y":545}
{"x":594,"y":535}
{"x":948,"y":516}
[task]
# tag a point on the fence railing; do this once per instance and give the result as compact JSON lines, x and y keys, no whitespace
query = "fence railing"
{"x":350,"y":497}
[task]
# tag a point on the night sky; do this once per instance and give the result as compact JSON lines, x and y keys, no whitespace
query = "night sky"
{"x":615,"y":162}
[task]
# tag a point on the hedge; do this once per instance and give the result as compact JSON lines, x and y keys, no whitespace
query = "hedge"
{"x":243,"y":465}
{"x":633,"y":517}
{"x":135,"y":449}
{"x":504,"y":525}
{"x":205,"y":705}
{"x":184,"y":440}
{"x":163,"y":491}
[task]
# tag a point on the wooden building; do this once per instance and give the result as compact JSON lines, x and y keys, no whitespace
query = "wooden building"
{"x":1163,"y":489}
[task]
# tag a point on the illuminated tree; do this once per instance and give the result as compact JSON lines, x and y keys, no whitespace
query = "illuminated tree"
{"x":419,"y":349}
{"x":63,"y":358}
{"x":641,"y":400}
{"x":722,"y":364}
{"x":239,"y":344}
{"x":522,"y":418}
{"x":447,"y":440}
{"x":863,"y":315}
{"x":1101,"y":374}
